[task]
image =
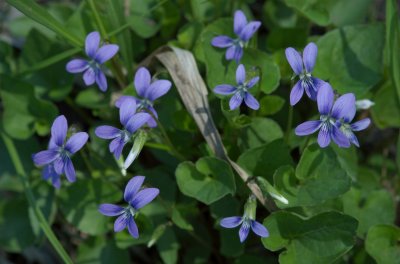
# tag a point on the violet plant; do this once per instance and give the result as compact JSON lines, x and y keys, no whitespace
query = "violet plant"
{"x":131,"y":121}
{"x":92,"y":68}
{"x":318,"y":202}
{"x":149,"y":91}
{"x":240,"y":91}
{"x":247,"y":221}
{"x":136,"y":197}
{"x":244,"y":31}
{"x":303,"y":67}
{"x":57,"y":158}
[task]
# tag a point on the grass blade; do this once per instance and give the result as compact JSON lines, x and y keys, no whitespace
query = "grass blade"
{"x":37,"y":13}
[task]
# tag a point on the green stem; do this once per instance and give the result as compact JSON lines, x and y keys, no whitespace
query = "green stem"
{"x":289,"y":125}
{"x":167,"y":140}
{"x":116,"y":70}
{"x":99,"y":23}
{"x":31,"y":199}
{"x":305,"y":145}
{"x":155,"y":145}
{"x":86,"y":161}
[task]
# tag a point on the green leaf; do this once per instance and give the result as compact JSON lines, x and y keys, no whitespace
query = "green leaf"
{"x":208,"y":180}
{"x":345,"y":12}
{"x":311,"y":184}
{"x":7,"y":62}
{"x":323,"y":238}
{"x":225,"y":207}
{"x":142,"y":21}
{"x":39,"y":14}
{"x":350,"y":60}
{"x":158,"y":232}
{"x":92,"y":99}
{"x":318,"y":171}
{"x":398,"y":151}
{"x":15,"y":227}
{"x":279,"y":14}
{"x":188,"y":34}
{"x":281,"y":38}
{"x":382,"y":243}
{"x":272,"y":156}
{"x":117,"y":18}
{"x":168,"y":247}
{"x":393,"y":42}
{"x":261,"y":131}
{"x":220,"y":71}
{"x":230,"y":243}
{"x":80,"y":201}
{"x":369,"y":208}
{"x":271,"y":104}
{"x":100,"y":250}
{"x":179,"y":219}
{"x":315,"y":10}
{"x":23,"y":112}
{"x":386,"y":110}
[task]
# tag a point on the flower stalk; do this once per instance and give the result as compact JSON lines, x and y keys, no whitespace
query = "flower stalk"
{"x":12,"y":151}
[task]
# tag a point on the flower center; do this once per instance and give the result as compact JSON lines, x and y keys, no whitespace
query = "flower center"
{"x":144,"y":104}
{"x":125,"y":135}
{"x":307,"y":81}
{"x":239,"y":42}
{"x":63,"y":152}
{"x":242,"y":89}
{"x":130,"y":211}
{"x":327,"y":120}
{"x":94,"y":65}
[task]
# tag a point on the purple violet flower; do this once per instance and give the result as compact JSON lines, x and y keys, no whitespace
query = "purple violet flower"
{"x":98,"y":56}
{"x":136,"y":199}
{"x":247,"y":221}
{"x":244,"y":31}
{"x":148,"y":91}
{"x":57,"y":158}
{"x":131,"y":122}
{"x":307,"y":82}
{"x":240,"y":92}
{"x":330,"y":113}
{"x":348,"y":115}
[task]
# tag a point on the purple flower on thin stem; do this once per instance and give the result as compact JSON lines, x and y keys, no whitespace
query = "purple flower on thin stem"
{"x":330,"y":113}
{"x":303,"y":68}
{"x":98,"y":56}
{"x":348,"y":115}
{"x":240,"y":92}
{"x":57,"y":158}
{"x":131,"y":122}
{"x":148,"y":91}
{"x":247,"y":221}
{"x":244,"y":31}
{"x":136,"y":199}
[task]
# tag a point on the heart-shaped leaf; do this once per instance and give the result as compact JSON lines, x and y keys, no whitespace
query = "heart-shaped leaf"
{"x":320,"y":239}
{"x":208,"y":180}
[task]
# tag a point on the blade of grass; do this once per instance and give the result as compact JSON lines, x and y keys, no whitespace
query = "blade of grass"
{"x":117,"y":19}
{"x":393,"y":42}
{"x":37,"y":13}
{"x":52,"y":60}
{"x":116,"y":67}
{"x":12,"y":151}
